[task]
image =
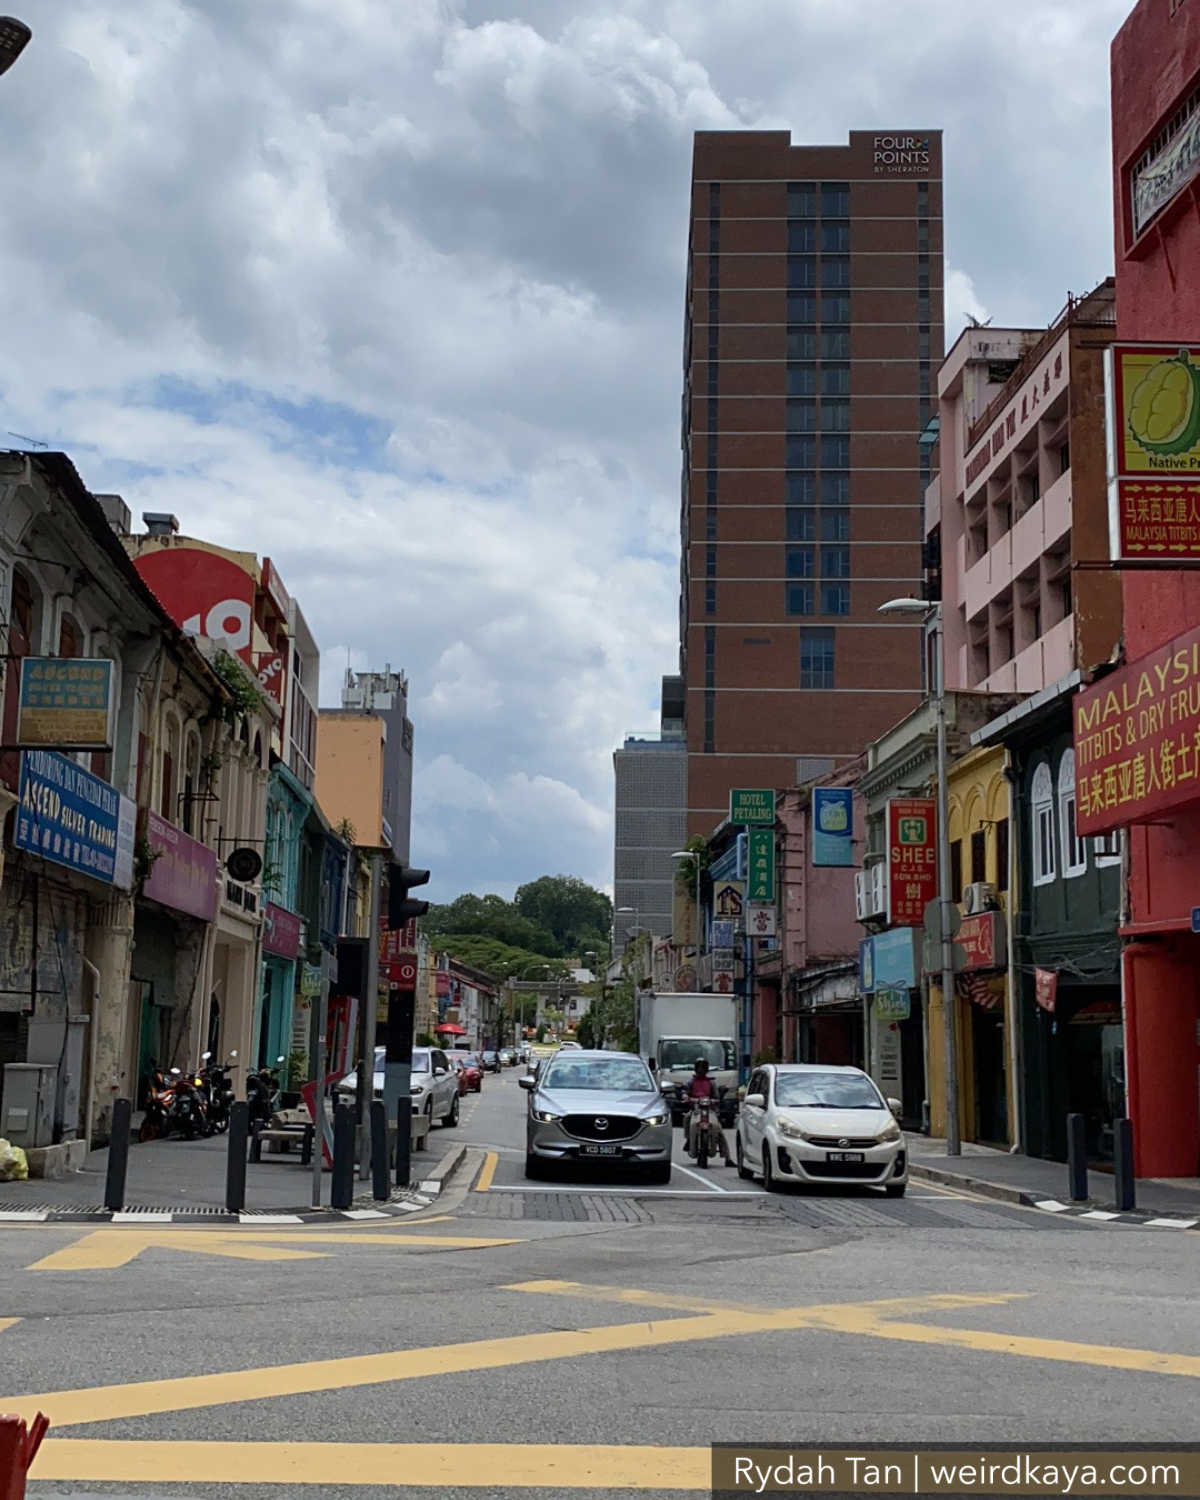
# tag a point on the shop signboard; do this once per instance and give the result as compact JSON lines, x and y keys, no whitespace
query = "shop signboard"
{"x":270,"y":668}
{"x":729,"y":901}
{"x":282,"y":931}
{"x":888,"y":961}
{"x":892,"y":1005}
{"x":760,"y":879}
{"x":1153,"y":417}
{"x":310,"y":982}
{"x":981,"y":943}
{"x":183,"y":874}
{"x":723,"y":933}
{"x":1137,"y":739}
{"x":1045,"y":988}
{"x":833,"y":826}
{"x":752,"y":806}
{"x":723,"y":961}
{"x":65,"y":703}
{"x":912,"y":858}
{"x":204,"y":593}
{"x":273,"y":588}
{"x":761,"y":919}
{"x":72,"y":818}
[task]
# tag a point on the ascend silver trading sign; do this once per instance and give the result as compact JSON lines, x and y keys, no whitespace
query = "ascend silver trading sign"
{"x":900,"y":155}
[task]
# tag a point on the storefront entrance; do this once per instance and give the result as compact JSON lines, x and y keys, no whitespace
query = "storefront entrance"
{"x":990,"y":1076}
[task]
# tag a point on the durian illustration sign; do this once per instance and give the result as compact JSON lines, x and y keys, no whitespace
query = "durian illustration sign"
{"x":1153,"y":393}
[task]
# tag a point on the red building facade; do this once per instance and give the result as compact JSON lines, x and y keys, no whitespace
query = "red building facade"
{"x":1156,"y":161}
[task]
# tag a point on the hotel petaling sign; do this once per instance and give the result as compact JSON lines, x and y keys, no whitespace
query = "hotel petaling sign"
{"x":1137,"y":739}
{"x":1051,"y":377}
{"x":900,"y":155}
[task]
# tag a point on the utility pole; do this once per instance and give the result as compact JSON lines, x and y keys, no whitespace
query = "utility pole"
{"x":366,"y":1023}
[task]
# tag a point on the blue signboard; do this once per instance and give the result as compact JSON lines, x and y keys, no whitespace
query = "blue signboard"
{"x":74,"y":819}
{"x":888,"y":961}
{"x":833,"y":825}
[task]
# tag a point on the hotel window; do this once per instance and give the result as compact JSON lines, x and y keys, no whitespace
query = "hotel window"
{"x":801,"y":453}
{"x":801,"y":416}
{"x":835,"y":200}
{"x":835,"y":526}
{"x":801,"y":237}
{"x":835,"y":237}
{"x":802,"y":307}
{"x":835,"y":343}
{"x":835,"y":270}
{"x":800,"y":562}
{"x":710,"y":598}
{"x":802,"y":343}
{"x":801,"y":524}
{"x":835,"y":308}
{"x":798,"y":599}
{"x":802,"y":200}
{"x":816,"y":658}
{"x":835,"y":489}
{"x":835,"y":416}
{"x":835,"y":562}
{"x":801,"y":489}
{"x":801,"y":271}
{"x":835,"y":380}
{"x":802,"y":380}
{"x":1073,"y":847}
{"x":1042,"y":817}
{"x":835,"y":453}
{"x":835,"y":598}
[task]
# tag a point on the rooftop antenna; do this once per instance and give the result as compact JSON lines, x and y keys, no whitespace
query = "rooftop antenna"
{"x":33,"y":442}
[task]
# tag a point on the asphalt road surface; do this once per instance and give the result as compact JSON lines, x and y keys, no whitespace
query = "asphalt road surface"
{"x":558,"y":1339}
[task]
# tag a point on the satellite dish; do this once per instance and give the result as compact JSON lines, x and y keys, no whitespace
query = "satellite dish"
{"x":244,"y":864}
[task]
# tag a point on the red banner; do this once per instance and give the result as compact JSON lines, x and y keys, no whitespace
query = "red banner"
{"x":1045,"y":988}
{"x":912,"y":859}
{"x":1158,"y":518}
{"x":1137,"y":739}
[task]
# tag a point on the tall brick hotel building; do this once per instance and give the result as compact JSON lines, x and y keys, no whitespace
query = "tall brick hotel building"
{"x":813,"y":337}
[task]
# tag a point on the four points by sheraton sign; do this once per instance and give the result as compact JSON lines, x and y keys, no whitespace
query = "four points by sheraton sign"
{"x":1137,"y":739}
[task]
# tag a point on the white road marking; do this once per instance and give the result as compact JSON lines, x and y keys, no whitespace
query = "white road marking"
{"x":699,"y":1177}
{"x":632,"y":1191}
{"x":270,"y":1219}
{"x":1053,"y":1206}
{"x":1173,"y":1223}
{"x":1099,"y":1213}
{"x":142,"y":1216}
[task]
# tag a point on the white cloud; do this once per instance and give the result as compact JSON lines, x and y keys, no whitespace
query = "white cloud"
{"x":394,"y":294}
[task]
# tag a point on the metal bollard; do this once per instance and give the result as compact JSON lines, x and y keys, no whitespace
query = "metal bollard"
{"x":1124,"y":1182}
{"x":235,"y":1162}
{"x":341,"y":1187}
{"x":118,"y":1156}
{"x":1077,"y":1167}
{"x":381,"y":1189}
{"x":403,"y":1143}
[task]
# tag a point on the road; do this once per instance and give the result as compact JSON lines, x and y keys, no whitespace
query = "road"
{"x":547,"y":1340}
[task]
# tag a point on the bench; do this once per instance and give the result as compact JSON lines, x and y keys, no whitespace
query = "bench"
{"x":289,"y":1128}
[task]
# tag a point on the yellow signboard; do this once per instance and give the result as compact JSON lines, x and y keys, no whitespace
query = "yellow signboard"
{"x":1155,"y":410}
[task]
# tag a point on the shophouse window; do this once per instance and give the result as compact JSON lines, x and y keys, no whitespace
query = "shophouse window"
{"x":1073,"y":847}
{"x":1042,"y":815}
{"x":1002,"y":855}
{"x":956,"y":880}
{"x":978,"y":856}
{"x":1107,"y":849}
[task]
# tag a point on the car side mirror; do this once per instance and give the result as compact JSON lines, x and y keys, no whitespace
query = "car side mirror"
{"x":755,"y":1101}
{"x":896,"y":1107}
{"x":527,"y":1082}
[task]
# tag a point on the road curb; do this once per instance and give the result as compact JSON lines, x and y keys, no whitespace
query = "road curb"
{"x":1092,"y":1210}
{"x":998,"y":1190}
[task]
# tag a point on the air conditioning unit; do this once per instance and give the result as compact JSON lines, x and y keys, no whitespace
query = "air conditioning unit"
{"x":979,"y":897}
{"x":870,"y":893}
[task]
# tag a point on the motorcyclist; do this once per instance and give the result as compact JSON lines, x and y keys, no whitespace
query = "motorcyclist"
{"x":701,"y":1086}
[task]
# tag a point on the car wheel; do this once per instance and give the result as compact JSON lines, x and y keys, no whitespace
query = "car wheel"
{"x":769,"y":1182}
{"x":534,"y":1169}
{"x":451,"y":1119}
{"x":895,"y":1189}
{"x":744,"y":1171}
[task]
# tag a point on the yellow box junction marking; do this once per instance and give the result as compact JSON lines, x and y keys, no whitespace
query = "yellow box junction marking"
{"x":487,"y":1172}
{"x":495,"y":1467}
{"x":7,"y":1323}
{"x":106,"y":1249}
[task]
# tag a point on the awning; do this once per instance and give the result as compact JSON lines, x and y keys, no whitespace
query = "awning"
{"x":450,"y":1029}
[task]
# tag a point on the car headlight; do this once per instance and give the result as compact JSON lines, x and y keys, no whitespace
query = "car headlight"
{"x":656,"y":1119}
{"x":785,"y":1127}
{"x":415,"y":1088}
{"x":889,"y":1134}
{"x":545,"y":1116}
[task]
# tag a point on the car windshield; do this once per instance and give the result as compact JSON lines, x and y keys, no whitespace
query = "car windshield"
{"x":826,"y":1091}
{"x":618,"y":1074}
{"x":420,"y":1062}
{"x":678,"y":1052}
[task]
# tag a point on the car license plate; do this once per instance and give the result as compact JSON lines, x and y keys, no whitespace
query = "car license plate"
{"x":604,"y":1150}
{"x":845,"y":1156}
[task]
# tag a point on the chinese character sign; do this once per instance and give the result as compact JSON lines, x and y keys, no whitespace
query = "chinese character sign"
{"x":65,"y":703}
{"x":1153,"y":396}
{"x":1137,"y":739}
{"x":71,"y":817}
{"x":912,"y":859}
{"x":760,"y":885}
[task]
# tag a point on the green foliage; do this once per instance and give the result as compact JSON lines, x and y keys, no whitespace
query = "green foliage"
{"x":585,"y":1032}
{"x":247,"y":697}
{"x":685,"y":869}
{"x":297,"y":1069}
{"x":425,"y":1040}
{"x":541,"y":1032}
{"x":614,"y":1015}
{"x":491,"y":917}
{"x":578,"y":916}
{"x":346,"y":831}
{"x":496,"y":958}
{"x":767,"y":1055}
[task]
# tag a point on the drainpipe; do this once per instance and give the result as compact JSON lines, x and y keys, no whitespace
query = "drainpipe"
{"x":93,"y":1048}
{"x":1010,"y":920}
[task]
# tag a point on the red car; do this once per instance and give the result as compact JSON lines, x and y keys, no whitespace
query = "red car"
{"x":471,"y":1069}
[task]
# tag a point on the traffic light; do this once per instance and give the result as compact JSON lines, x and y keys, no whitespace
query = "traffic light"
{"x":401,"y":907}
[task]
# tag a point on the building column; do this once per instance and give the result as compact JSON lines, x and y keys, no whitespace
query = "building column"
{"x":1160,"y":1059}
{"x":113,"y":1031}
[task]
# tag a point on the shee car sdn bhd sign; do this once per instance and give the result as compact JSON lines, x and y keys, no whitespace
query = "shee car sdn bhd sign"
{"x":912,"y":859}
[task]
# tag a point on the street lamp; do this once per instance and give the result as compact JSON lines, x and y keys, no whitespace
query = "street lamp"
{"x":14,"y":38}
{"x":688,"y":854}
{"x":931,"y":612}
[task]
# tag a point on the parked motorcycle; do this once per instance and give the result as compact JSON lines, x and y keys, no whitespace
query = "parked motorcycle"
{"x":187,"y":1114}
{"x":160,"y":1101}
{"x":262,"y":1093}
{"x":218,"y":1092}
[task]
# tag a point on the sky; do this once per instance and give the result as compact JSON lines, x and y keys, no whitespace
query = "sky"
{"x":393,"y":294}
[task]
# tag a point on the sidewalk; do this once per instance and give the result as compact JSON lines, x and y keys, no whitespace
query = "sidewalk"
{"x":186,"y":1180}
{"x":1032,"y":1181}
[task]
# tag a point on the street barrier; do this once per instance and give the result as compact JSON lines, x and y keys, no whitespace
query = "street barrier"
{"x":341,"y":1188}
{"x":380,"y":1187}
{"x":1077,"y":1165}
{"x":118,"y":1156}
{"x":235,"y":1162}
{"x":18,"y":1447}
{"x":404,"y":1118}
{"x":1124,"y":1183}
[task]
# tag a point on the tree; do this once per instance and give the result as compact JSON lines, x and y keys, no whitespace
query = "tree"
{"x":585,"y":1032}
{"x":492,"y":917}
{"x":577,"y":915}
{"x":496,"y":958}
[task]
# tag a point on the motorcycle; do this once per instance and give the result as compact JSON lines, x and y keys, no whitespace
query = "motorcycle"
{"x":218,"y":1092}
{"x":187,"y":1113}
{"x":705,"y":1130}
{"x":160,"y":1102}
{"x":262,"y":1093}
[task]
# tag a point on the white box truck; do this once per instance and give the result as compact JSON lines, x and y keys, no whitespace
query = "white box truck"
{"x":675,"y":1029}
